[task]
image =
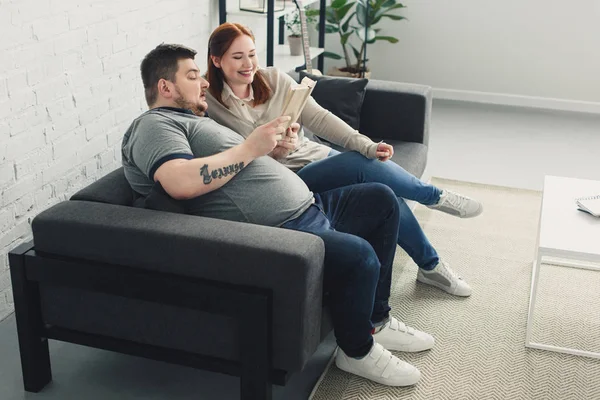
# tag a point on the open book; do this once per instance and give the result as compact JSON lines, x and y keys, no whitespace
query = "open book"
{"x":296,"y":99}
{"x":590,"y":205}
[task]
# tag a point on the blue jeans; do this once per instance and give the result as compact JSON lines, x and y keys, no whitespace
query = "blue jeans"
{"x":342,"y":169}
{"x":359,"y":226}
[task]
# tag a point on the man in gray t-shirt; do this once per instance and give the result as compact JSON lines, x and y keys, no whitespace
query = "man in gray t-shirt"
{"x":221,"y":175}
{"x":164,"y":135}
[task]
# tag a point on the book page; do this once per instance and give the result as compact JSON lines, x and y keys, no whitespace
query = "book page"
{"x":590,"y":204}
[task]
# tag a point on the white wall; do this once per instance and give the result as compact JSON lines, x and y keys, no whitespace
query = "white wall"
{"x":546,"y":49}
{"x":69,"y":87}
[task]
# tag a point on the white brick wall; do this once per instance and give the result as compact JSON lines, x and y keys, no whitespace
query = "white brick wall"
{"x":69,"y":87}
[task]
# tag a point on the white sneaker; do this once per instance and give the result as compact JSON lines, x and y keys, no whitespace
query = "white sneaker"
{"x":380,"y":366}
{"x":457,"y":205}
{"x":444,"y":278}
{"x":396,"y":336}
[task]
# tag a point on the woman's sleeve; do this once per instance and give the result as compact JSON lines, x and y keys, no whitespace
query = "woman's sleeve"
{"x":331,"y":128}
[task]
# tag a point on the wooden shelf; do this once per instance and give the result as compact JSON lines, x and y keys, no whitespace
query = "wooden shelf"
{"x":289,"y":8}
{"x":286,"y":62}
{"x":278,"y":55}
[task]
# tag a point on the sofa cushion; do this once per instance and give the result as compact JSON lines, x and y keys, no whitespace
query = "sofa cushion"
{"x":112,"y":189}
{"x":342,"y":96}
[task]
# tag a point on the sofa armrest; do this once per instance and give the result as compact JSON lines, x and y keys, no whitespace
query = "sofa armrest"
{"x":186,"y":245}
{"x":290,"y":263}
{"x":396,"y":111}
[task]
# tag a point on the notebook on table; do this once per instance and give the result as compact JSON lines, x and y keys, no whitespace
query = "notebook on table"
{"x":589,"y":204}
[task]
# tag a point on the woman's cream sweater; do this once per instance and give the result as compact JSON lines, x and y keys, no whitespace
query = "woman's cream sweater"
{"x":314,"y":117}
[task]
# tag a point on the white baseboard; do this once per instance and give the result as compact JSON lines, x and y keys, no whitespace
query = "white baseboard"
{"x":517,"y":100}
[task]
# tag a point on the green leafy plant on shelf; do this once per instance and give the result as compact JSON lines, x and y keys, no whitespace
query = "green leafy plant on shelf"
{"x":354,"y":21}
{"x":292,"y":21}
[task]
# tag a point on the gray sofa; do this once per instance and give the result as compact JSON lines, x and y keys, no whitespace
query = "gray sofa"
{"x":230,"y":297}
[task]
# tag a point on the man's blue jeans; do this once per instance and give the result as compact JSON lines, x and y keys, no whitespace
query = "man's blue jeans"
{"x":359,"y":226}
{"x":342,"y":169}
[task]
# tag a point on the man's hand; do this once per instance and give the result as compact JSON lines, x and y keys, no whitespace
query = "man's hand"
{"x":384,"y":151}
{"x":287,"y":144}
{"x":264,"y":138}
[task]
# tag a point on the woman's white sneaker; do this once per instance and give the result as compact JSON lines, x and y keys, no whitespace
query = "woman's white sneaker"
{"x":380,"y":366}
{"x":395,"y":335}
{"x":446,"y":279}
{"x":458,"y":205}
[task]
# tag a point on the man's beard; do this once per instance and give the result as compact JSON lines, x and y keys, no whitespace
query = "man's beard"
{"x":196,"y":108}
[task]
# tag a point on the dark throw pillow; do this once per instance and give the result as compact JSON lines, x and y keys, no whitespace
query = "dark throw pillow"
{"x":342,"y":96}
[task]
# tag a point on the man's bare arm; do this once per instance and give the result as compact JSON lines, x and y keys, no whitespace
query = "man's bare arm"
{"x":185,"y":179}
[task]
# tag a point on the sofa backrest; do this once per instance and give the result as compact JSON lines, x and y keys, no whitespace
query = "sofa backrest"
{"x":112,"y":188}
{"x":408,"y":105}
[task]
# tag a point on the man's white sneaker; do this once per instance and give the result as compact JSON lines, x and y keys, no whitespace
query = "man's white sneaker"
{"x":380,"y":366}
{"x":395,"y":335}
{"x":446,"y":279}
{"x":457,"y":205}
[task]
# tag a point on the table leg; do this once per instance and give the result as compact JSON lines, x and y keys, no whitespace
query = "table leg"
{"x":535,"y":273}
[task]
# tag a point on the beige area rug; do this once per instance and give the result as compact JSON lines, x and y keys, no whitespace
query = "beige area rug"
{"x":479,"y":352}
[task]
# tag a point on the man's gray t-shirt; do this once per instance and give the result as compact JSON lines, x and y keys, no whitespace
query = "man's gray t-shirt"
{"x":264,"y":192}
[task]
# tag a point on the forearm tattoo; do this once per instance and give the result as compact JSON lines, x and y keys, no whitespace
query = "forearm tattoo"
{"x":220,"y":172}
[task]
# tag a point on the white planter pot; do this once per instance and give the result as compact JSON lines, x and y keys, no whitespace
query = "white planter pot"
{"x":295,"y":43}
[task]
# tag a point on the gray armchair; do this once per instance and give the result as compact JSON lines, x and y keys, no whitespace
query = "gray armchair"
{"x":230,"y":297}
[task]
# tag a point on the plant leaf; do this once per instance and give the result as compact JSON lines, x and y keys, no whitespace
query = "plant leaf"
{"x":344,"y":37}
{"x":377,"y":4}
{"x":331,"y":29}
{"x":330,"y":16}
{"x":390,"y":39}
{"x":337,"y":3}
{"x":329,"y":54}
{"x":360,"y":32}
{"x":342,"y":11}
{"x":361,"y":14}
{"x":356,"y":53}
{"x":393,"y":17}
{"x":345,"y":24}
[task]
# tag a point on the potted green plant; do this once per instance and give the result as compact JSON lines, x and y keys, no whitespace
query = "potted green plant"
{"x":294,"y":27}
{"x":354,"y":21}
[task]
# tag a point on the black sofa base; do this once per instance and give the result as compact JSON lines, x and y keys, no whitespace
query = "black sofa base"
{"x":250,"y":307}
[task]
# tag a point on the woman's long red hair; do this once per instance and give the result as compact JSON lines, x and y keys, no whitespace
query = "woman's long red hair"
{"x":218,"y":44}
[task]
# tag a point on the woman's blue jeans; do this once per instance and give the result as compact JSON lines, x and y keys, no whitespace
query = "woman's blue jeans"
{"x":342,"y":169}
{"x":359,"y":226}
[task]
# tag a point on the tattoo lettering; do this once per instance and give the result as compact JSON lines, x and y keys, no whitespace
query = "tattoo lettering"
{"x":218,"y":173}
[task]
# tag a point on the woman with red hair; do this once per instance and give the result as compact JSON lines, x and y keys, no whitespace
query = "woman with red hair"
{"x":243,"y":96}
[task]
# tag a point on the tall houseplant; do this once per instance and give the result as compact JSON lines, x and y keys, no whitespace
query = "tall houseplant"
{"x":354,"y":21}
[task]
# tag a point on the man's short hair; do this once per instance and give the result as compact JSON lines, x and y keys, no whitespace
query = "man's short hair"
{"x":161,"y":63}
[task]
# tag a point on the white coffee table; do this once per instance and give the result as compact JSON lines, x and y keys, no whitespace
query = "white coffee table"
{"x":570,"y":238}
